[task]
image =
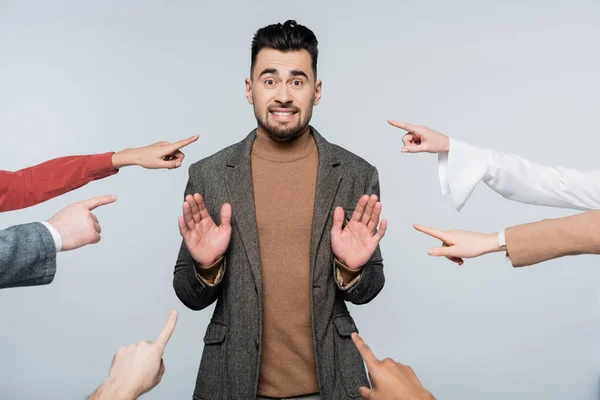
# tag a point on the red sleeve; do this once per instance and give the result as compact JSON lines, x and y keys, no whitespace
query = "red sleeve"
{"x":34,"y":185}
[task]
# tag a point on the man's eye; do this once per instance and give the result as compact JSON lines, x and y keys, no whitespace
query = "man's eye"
{"x":270,"y":82}
{"x":297,"y":83}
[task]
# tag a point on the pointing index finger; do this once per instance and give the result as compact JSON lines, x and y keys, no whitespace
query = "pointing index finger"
{"x":364,"y":350}
{"x":403,"y":125}
{"x":182,"y":143}
{"x":431,"y":232}
{"x":167,"y":331}
{"x":98,"y":201}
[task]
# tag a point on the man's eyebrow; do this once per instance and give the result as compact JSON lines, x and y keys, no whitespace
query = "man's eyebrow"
{"x":269,"y":71}
{"x":298,"y":72}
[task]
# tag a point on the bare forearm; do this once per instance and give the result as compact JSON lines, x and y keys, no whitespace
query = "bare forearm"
{"x":124,"y":158}
{"x":111,"y":390}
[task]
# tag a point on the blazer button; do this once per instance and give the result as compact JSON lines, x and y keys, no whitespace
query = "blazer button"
{"x":256,"y":343}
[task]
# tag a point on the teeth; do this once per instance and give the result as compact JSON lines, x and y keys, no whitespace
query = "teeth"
{"x":282,"y":113}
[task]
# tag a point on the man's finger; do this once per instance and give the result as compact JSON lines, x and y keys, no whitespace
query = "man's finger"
{"x":98,"y":201}
{"x":432,"y":232}
{"x":375,"y":217}
{"x":382,"y":229}
{"x":201,"y":206}
{"x":187,"y":215}
{"x":338,"y":219}
{"x":226,"y":215}
{"x":167,"y":331}
{"x":182,"y":227}
{"x":181,"y":143}
{"x":402,"y":125}
{"x":364,"y":350}
{"x":360,"y":208}
{"x":196,"y":214}
{"x":365,"y":392}
{"x":369,"y":209}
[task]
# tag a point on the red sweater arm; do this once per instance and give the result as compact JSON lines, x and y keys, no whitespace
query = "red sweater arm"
{"x":34,"y":185}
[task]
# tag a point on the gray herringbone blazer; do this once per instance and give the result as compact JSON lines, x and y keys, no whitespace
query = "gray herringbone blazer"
{"x":230,"y":361}
{"x":27,"y":256}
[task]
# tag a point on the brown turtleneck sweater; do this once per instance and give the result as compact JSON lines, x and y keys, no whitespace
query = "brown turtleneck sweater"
{"x":285,"y":177}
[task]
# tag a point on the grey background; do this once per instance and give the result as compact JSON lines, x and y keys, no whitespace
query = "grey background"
{"x":89,"y":77}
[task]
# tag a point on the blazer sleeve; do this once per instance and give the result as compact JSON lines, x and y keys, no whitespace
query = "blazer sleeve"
{"x":515,"y":178}
{"x":34,"y":185}
{"x":371,"y":279}
{"x":27,"y":256}
{"x":536,"y":242}
{"x":193,"y":291}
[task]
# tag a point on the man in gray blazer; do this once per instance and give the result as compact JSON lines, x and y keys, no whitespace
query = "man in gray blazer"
{"x":28,"y":252}
{"x":294,"y":236}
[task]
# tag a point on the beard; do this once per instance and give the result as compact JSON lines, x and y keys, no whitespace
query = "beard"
{"x":283,"y":131}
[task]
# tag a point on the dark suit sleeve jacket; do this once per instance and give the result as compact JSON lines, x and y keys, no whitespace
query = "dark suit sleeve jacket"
{"x":27,"y":256}
{"x":230,"y":361}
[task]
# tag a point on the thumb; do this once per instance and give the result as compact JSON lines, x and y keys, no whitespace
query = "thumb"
{"x":450,"y":251}
{"x":365,"y":392}
{"x":415,"y":148}
{"x":338,"y":219}
{"x":226,"y":215}
{"x":98,"y":201}
{"x":171,"y":164}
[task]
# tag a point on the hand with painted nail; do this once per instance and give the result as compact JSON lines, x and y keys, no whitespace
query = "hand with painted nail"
{"x":457,"y":245}
{"x":160,"y":155}
{"x":390,"y":379}
{"x":355,"y":243}
{"x":205,"y":241}
{"x":421,"y":139}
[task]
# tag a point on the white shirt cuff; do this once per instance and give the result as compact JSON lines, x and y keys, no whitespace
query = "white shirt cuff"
{"x":443,"y":172}
{"x":55,"y":236}
{"x":501,"y":239}
{"x":467,"y":165}
{"x":502,"y":243}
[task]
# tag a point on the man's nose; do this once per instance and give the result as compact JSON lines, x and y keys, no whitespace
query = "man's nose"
{"x":283,"y":95}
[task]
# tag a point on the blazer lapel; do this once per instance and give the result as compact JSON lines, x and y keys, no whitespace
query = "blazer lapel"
{"x":328,"y":181}
{"x":240,"y":191}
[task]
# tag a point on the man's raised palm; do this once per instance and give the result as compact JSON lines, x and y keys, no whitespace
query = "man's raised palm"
{"x":205,"y":241}
{"x":356,"y":242}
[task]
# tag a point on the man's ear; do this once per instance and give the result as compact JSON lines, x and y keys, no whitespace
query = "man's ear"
{"x":249,"y":91}
{"x":318,"y":86}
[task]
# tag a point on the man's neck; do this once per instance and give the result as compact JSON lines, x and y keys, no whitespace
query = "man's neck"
{"x":290,"y":150}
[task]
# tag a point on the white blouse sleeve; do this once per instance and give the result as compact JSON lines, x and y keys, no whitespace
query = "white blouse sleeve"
{"x":515,"y":178}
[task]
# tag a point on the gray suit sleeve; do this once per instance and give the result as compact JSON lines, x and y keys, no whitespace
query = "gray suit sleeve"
{"x":371,"y":278}
{"x":27,"y":256}
{"x":189,"y":287}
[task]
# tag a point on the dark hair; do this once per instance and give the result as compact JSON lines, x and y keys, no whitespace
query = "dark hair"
{"x":288,"y":36}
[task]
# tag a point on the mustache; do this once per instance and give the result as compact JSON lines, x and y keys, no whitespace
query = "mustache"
{"x":282,"y":107}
